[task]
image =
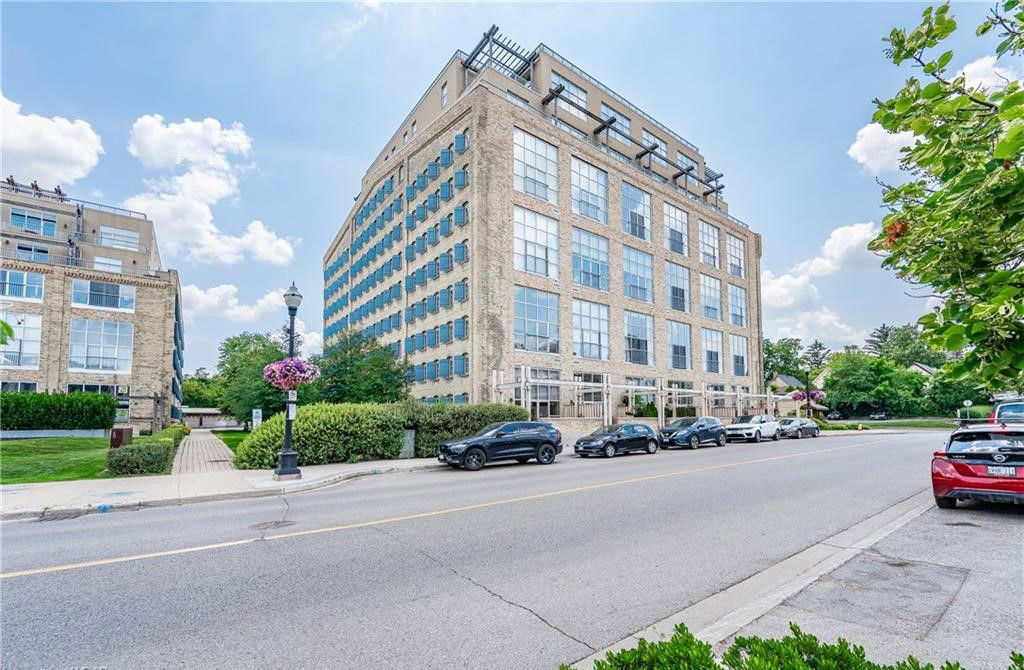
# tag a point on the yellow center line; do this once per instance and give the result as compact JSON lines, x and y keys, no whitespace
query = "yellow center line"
{"x":420,"y":515}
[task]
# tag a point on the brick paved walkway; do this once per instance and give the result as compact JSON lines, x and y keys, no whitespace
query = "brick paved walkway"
{"x":202,"y":451}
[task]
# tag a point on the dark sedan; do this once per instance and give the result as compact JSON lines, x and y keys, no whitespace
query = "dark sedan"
{"x":798,"y":428}
{"x":692,"y":432}
{"x":512,"y":441}
{"x":621,"y":439}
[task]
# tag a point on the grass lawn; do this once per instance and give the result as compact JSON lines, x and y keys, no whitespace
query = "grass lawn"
{"x":232,"y":438}
{"x":945,"y":424}
{"x":53,"y":459}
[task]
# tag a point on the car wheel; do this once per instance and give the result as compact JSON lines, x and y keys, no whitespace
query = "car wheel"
{"x":945,"y":503}
{"x":546,"y":454}
{"x":473,"y":460}
{"x":815,"y":433}
{"x":522,"y":460}
{"x":757,"y":437}
{"x":652,"y":447}
{"x":720,"y":440}
{"x":609,"y":450}
{"x":694,"y":442}
{"x":799,"y":433}
{"x":776,"y":435}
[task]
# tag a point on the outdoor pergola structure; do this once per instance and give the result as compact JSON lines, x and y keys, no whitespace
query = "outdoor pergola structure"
{"x":497,"y":51}
{"x":589,"y":400}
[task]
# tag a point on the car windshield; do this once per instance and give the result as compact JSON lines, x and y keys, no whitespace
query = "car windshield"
{"x":983,"y":442}
{"x":605,"y":430}
{"x":490,"y":428}
{"x":743,"y":419}
{"x":786,"y":422}
{"x":682,"y":423}
{"x":1011,"y":411}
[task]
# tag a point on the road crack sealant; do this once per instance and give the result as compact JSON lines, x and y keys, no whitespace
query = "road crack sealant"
{"x":483,"y":587}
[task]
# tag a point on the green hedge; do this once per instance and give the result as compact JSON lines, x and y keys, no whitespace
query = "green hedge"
{"x":832,"y":425}
{"x":147,"y":454}
{"x":436,"y":423}
{"x":349,"y":433}
{"x":797,"y":651}
{"x":325,"y":433}
{"x":57,"y":411}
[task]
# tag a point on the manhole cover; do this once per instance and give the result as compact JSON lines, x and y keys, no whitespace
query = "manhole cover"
{"x":271,"y":525}
{"x":962,"y":523}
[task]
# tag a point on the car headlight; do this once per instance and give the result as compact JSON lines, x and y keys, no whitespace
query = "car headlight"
{"x":456,"y":448}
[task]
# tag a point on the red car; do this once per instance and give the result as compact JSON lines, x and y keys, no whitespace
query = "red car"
{"x":981,"y":462}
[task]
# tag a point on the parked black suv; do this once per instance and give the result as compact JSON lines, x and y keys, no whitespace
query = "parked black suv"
{"x":516,"y":440}
{"x":619,"y":439}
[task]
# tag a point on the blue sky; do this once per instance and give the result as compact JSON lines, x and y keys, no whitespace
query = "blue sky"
{"x":244,"y":129}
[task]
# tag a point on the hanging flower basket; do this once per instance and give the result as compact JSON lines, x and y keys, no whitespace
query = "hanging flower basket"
{"x":289,"y":373}
{"x":800,"y":395}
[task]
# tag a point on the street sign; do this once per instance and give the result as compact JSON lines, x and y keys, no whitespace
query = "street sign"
{"x":257,"y":418}
{"x":293,"y":395}
{"x":291,"y":410}
{"x":967,"y":403}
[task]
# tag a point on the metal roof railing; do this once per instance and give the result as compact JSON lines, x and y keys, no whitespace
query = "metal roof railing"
{"x":43,"y":194}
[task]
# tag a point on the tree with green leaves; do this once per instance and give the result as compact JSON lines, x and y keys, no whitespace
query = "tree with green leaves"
{"x":954,"y":227}
{"x":859,"y":383}
{"x":359,"y":369}
{"x":201,"y":389}
{"x":782,"y":357}
{"x":877,"y":339}
{"x":816,"y":354}
{"x":906,"y":346}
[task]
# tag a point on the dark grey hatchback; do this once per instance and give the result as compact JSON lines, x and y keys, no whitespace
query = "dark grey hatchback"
{"x":620,"y":439}
{"x":511,"y":441}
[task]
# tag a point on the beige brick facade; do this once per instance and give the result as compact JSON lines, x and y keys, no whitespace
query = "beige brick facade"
{"x":147,"y":379}
{"x":487,"y":111}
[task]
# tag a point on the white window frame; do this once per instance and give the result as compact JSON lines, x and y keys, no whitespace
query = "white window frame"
{"x":680,"y":335}
{"x":107,"y":264}
{"x":43,"y":220}
{"x":640,"y":265}
{"x":648,"y":138}
{"x":590,"y":250}
{"x":593,"y":181}
{"x":534,"y":165}
{"x":119,"y":238}
{"x":590,"y":329}
{"x":80,"y":287}
{"x":444,"y":95}
{"x":27,"y":282}
{"x":638,"y":205}
{"x":24,"y":325}
{"x":676,"y":221}
{"x":711,"y":342}
{"x":572,"y":91}
{"x":528,"y":324}
{"x":535,"y":242}
{"x":710,"y":297}
{"x":96,"y":334}
{"x":740,"y":343}
{"x":622,"y":129}
{"x":646,"y":322}
{"x":735,"y":255}
{"x":677,"y":276}
{"x":737,"y":305}
{"x":710,"y":239}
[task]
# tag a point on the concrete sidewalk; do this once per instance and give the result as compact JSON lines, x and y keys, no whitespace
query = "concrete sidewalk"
{"x":202,"y":451}
{"x":21,"y":501}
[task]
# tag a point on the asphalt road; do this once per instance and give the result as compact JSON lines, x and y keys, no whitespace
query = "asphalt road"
{"x":515,"y":566}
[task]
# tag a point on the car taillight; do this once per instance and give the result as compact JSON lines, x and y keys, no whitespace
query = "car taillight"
{"x":992,"y":417}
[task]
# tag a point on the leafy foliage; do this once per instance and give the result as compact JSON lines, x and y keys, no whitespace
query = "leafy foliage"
{"x":358,"y":369}
{"x":202,"y":389}
{"x":240,"y":364}
{"x":57,"y":411}
{"x":796,"y":651}
{"x":905,"y":346}
{"x":859,"y":383}
{"x":148,"y":454}
{"x":6,"y":331}
{"x":816,"y":354}
{"x":782,"y":357}
{"x":877,"y":339}
{"x":955,"y":225}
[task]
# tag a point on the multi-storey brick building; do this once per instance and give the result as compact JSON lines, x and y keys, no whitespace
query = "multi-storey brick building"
{"x":526,"y":217}
{"x":91,"y":307}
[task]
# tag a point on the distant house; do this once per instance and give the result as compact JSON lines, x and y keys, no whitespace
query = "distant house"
{"x":783,"y":383}
{"x":819,"y":380}
{"x":208,"y":417}
{"x":925,"y":370}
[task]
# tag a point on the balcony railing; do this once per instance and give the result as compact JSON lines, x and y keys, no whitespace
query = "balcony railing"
{"x":112,"y":242}
{"x":68,"y":261}
{"x":53,"y":196}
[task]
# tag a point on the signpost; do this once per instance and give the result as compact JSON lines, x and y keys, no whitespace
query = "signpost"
{"x":257,"y":418}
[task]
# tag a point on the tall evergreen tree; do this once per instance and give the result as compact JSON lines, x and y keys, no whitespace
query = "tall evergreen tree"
{"x":877,"y":339}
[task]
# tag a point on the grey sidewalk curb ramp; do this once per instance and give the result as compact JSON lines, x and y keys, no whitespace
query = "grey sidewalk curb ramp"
{"x":51,"y":512}
{"x":718,"y":617}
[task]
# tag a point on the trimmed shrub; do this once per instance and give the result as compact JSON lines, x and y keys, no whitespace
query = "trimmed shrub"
{"x":57,"y":411}
{"x":437,"y":422}
{"x":831,"y":425}
{"x":796,"y":650}
{"x":326,"y":433}
{"x":148,"y":454}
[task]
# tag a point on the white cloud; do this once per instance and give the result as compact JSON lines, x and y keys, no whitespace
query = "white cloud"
{"x":222,"y":300}
{"x":822,"y":324}
{"x":53,"y":151}
{"x":845,"y":248}
{"x":312,"y":340}
{"x":181,"y":205}
{"x":984,"y":73}
{"x":877,"y":149}
{"x":787,"y":292}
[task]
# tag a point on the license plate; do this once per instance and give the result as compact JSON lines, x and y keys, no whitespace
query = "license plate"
{"x":1002,"y":471}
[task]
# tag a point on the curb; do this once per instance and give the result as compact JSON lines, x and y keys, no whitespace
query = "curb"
{"x":71,"y":512}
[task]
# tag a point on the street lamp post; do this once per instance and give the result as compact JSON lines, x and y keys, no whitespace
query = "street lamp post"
{"x":288,"y":458}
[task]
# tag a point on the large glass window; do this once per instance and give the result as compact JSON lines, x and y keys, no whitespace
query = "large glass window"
{"x":737,"y":305}
{"x":711,"y":297}
{"x":444,"y":94}
{"x":738,"y":346}
{"x":536,"y":243}
{"x":590,"y":396}
{"x":677,"y":286}
{"x":637,"y":274}
{"x":589,"y":191}
{"x":621,"y":129}
{"x":22,"y":349}
{"x":650,"y":139}
{"x":708,"y":244}
{"x":684,"y":162}
{"x":17,"y":284}
{"x":590,"y":330}
{"x":712,"y":342}
{"x":119,"y":238}
{"x":30,"y":252}
{"x":102,"y":294}
{"x":18,"y":387}
{"x":544,"y":398}
{"x":536,"y":320}
{"x":639,"y":338}
{"x":636,"y":211}
{"x":34,"y":222}
{"x":676,"y":230}
{"x":679,"y":345}
{"x":535,"y":166}
{"x":735,"y":249}
{"x":101,"y":345}
{"x":107,"y":264}
{"x":589,"y":259}
{"x":121,"y":393}
{"x":572,"y":92}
